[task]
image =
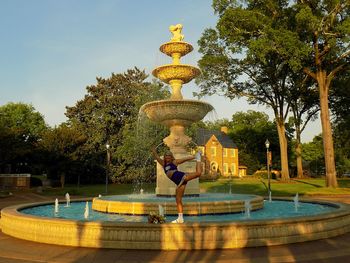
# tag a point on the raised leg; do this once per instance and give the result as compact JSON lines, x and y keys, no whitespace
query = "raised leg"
{"x":196,"y":174}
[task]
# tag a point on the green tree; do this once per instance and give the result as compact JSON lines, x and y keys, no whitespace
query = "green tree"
{"x":313,"y":155}
{"x":21,"y":126}
{"x":340,"y":105}
{"x":324,"y":28}
{"x":60,"y":154}
{"x":266,"y":41}
{"x":252,"y":54}
{"x":340,"y":99}
{"x":108,"y":113}
{"x":304,"y":106}
{"x":139,"y":136}
{"x":249,"y":131}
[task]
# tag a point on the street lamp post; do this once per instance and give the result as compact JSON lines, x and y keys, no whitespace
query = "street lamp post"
{"x":107,"y":166}
{"x":267,"y":144}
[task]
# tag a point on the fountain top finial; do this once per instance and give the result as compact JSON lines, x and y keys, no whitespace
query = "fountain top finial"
{"x":176,"y":31}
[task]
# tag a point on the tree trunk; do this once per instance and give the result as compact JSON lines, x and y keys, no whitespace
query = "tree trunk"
{"x":331,"y":175}
{"x":62,"y":179}
{"x":300,"y":173}
{"x":283,"y":149}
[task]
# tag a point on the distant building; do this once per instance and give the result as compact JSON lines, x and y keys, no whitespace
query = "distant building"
{"x":14,"y":181}
{"x":220,"y":153}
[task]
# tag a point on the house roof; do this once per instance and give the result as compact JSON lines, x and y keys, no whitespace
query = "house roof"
{"x":204,"y":135}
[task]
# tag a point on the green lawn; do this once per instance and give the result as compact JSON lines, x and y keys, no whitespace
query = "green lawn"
{"x":240,"y":186}
{"x":278,"y":188}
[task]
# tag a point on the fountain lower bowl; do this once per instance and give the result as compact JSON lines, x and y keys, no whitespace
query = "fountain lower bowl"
{"x":176,"y":112}
{"x":203,"y":205}
{"x":190,"y":235}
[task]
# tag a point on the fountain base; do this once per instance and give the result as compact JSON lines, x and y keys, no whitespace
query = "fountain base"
{"x":146,"y":204}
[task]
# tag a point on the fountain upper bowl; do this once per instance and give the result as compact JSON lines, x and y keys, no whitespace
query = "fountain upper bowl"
{"x":176,"y":47}
{"x":176,"y":112}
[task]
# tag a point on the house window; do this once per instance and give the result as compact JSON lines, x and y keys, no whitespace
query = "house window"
{"x":233,"y":168}
{"x":232,"y":152}
{"x":225,"y":168}
{"x":225,"y":152}
{"x":213,"y":151}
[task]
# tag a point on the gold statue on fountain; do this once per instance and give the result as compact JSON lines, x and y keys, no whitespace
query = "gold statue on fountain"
{"x":176,"y":31}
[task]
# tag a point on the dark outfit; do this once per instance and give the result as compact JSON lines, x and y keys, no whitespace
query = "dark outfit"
{"x":177,"y":175}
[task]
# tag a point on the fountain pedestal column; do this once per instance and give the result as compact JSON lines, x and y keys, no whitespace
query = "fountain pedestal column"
{"x":177,"y":141}
{"x":176,"y":86}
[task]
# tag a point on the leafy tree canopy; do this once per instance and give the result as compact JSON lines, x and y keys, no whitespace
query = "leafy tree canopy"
{"x":109,"y":114}
{"x":24,"y":119}
{"x":21,"y":127}
{"x":59,"y":152}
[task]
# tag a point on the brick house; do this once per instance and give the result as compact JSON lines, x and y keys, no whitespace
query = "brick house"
{"x":220,"y":153}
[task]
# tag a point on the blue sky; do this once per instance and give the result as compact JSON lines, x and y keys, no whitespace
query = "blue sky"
{"x":50,"y":50}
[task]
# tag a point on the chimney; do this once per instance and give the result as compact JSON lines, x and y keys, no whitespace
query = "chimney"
{"x":224,"y":129}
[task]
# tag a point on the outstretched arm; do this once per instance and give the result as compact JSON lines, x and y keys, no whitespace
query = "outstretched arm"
{"x":180,"y":161}
{"x":156,"y":156}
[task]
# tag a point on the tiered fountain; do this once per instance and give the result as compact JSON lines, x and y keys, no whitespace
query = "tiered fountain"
{"x":176,"y":112}
{"x":37,"y":222}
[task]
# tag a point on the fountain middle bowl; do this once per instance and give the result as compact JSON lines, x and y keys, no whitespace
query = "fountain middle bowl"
{"x":182,"y":72}
{"x":176,"y":112}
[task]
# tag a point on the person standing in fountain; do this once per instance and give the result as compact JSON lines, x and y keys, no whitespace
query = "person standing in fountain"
{"x":170,"y":164}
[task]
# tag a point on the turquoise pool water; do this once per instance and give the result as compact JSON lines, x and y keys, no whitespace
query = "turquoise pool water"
{"x":271,"y":210}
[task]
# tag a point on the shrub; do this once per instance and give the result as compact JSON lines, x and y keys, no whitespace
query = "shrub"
{"x":263,"y":174}
{"x":34,"y":182}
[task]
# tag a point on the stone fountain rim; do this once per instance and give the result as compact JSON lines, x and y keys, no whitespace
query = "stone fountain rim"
{"x":192,"y":235}
{"x":187,"y":201}
{"x":176,"y":102}
{"x":169,"y":43}
{"x":155,"y":72}
{"x":176,"y":66}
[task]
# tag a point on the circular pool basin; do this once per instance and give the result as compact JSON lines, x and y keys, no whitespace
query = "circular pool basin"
{"x":272,"y":210}
{"x":201,"y":234}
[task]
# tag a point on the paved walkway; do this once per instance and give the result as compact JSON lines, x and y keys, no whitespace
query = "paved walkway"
{"x":15,"y":250}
